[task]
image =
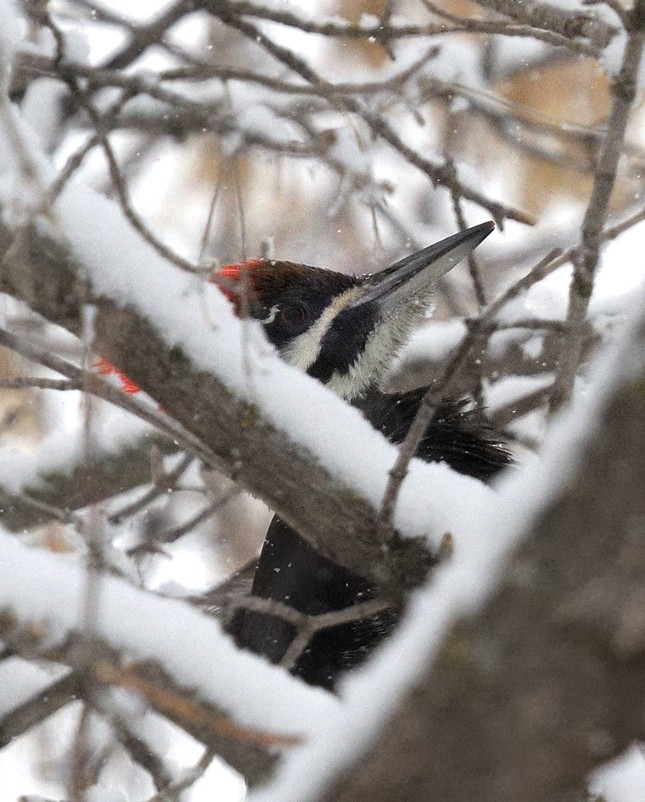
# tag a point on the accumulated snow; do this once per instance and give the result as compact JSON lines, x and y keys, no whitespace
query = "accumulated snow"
{"x":547,"y":299}
{"x":511,"y":53}
{"x":533,"y":347}
{"x":612,"y":56}
{"x":455,"y":62}
{"x":125,"y":268}
{"x":62,"y":450}
{"x":42,"y":108}
{"x":76,"y":42}
{"x":48,"y":589}
{"x":141,"y":11}
{"x":622,"y":780}
{"x":435,"y":341}
{"x":513,"y":388}
{"x":12,"y":24}
{"x":348,"y":150}
{"x":24,"y":680}
{"x":103,"y":793}
{"x":620,"y":270}
{"x":484,"y":540}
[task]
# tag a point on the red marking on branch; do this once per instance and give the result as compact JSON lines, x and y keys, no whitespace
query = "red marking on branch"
{"x":226,"y":279}
{"x":105,"y":368}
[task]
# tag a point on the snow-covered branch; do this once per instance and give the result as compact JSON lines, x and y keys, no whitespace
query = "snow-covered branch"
{"x":173,"y":656}
{"x":181,"y":343}
{"x":522,"y":662}
{"x":56,"y":478}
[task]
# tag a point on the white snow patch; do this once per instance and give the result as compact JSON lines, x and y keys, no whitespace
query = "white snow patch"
{"x":41,"y":108}
{"x":533,"y":347}
{"x":45,"y":588}
{"x":513,"y":388}
{"x":11,"y":29}
{"x":104,"y":793}
{"x":622,"y":779}
{"x":484,"y":539}
{"x":20,"y":681}
{"x":435,"y":341}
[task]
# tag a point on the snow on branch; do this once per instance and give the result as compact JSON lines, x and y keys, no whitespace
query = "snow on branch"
{"x":528,"y":641}
{"x":201,"y":680}
{"x":54,"y":476}
{"x":177,"y":338}
{"x":551,"y":17}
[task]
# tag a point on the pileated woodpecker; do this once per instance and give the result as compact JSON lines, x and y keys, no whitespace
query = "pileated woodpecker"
{"x":346,"y":331}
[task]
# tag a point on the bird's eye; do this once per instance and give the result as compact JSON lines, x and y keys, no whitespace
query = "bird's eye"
{"x":293,"y":316}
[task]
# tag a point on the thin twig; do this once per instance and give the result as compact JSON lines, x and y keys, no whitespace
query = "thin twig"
{"x":37,"y":708}
{"x":50,"y":510}
{"x":101,"y":388}
{"x":520,"y":407}
{"x":391,"y":33}
{"x":174,"y":790}
{"x":171,"y":535}
{"x":20,"y":382}
{"x":587,"y":257}
{"x":162,"y":485}
{"x":125,"y":731}
{"x":548,"y":16}
{"x":437,"y":173}
{"x":306,"y":625}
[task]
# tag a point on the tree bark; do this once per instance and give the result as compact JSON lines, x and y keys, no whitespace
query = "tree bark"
{"x":338,"y":523}
{"x":548,"y":679}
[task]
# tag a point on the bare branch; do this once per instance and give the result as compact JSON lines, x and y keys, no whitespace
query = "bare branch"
{"x":44,"y":704}
{"x":581,"y":288}
{"x":549,"y":16}
{"x":437,"y":173}
{"x":190,"y":777}
{"x":161,"y":485}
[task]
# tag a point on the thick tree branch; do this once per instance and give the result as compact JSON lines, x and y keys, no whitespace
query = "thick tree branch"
{"x":115,"y":471}
{"x":41,"y":272}
{"x":547,"y":680}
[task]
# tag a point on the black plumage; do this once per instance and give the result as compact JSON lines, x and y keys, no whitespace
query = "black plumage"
{"x":346,"y":332}
{"x":292,"y":572}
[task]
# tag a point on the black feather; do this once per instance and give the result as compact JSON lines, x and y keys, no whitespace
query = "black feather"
{"x":456,"y":434}
{"x":292,"y":572}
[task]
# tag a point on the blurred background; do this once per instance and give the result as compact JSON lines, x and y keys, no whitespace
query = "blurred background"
{"x":342,"y":134}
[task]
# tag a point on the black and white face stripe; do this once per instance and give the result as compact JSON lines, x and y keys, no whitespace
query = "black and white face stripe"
{"x":344,"y":341}
{"x":347,"y":331}
{"x":360,"y":345}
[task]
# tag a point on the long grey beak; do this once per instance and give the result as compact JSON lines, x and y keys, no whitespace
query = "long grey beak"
{"x":421,"y":270}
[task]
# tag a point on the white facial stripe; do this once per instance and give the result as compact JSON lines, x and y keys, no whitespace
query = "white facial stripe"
{"x":376,"y":360}
{"x":374,"y":364}
{"x":303,"y":350}
{"x":271,"y":316}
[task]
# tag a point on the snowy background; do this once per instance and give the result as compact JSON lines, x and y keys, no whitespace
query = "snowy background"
{"x":159,"y":142}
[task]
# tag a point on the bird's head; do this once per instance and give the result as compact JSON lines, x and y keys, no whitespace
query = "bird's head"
{"x":343,"y":330}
